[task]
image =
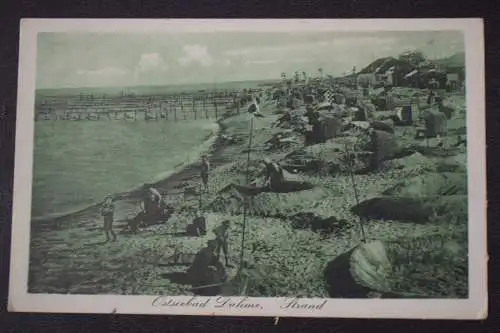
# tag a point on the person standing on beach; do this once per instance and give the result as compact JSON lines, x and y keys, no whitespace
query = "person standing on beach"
{"x":254,"y":109}
{"x":205,"y":169}
{"x":151,"y":205}
{"x":107,"y":212}
{"x":221,"y":236}
{"x":200,"y":223}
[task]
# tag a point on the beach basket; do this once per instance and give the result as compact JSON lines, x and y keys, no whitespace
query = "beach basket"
{"x":405,"y":114}
{"x":435,"y":124}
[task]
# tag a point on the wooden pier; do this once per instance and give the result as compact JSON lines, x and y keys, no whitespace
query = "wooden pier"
{"x":183,"y":106}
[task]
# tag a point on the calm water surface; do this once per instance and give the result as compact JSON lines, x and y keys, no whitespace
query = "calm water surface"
{"x":78,"y":163}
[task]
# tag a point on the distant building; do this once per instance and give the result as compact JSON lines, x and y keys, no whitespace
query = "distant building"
{"x":376,"y":79}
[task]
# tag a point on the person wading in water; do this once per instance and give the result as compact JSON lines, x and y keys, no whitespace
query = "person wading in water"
{"x":107,"y":212}
{"x":221,"y":236}
{"x":205,"y":169}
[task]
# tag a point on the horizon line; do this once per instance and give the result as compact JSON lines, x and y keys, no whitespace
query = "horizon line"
{"x":158,"y":85}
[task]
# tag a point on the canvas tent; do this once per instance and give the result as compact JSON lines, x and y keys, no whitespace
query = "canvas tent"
{"x":435,"y":124}
{"x":405,"y":113}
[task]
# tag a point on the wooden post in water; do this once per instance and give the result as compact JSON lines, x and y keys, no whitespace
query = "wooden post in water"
{"x":194,"y":109}
{"x":205,"y":106}
{"x":175,"y":110}
{"x":182,"y":109}
{"x":216,"y":109}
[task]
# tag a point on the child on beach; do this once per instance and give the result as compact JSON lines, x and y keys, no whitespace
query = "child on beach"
{"x":107,"y":212}
{"x":221,"y":236}
{"x":205,"y":168}
{"x":200,"y":223}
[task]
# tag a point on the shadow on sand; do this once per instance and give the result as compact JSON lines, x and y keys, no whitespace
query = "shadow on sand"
{"x":173,"y":264}
{"x":176,"y":234}
{"x":177,"y":277}
{"x":84,"y":246}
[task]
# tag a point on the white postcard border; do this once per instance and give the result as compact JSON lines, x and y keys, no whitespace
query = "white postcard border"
{"x":475,"y":307}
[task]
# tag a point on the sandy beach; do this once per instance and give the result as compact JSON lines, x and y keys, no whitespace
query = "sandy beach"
{"x":69,"y":255}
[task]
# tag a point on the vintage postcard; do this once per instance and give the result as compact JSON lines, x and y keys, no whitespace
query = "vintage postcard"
{"x":283,"y":168}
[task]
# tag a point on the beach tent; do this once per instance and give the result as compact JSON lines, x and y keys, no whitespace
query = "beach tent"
{"x":329,"y":96}
{"x":404,"y":114}
{"x":361,"y":124}
{"x":308,"y":99}
{"x":435,"y":124}
{"x":360,"y":114}
{"x":339,"y":98}
{"x":324,"y":106}
{"x":330,"y":127}
{"x":383,"y":146}
{"x":386,"y":125}
{"x":410,"y":74}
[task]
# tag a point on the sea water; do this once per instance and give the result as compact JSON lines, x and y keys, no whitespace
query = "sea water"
{"x":76,"y":163}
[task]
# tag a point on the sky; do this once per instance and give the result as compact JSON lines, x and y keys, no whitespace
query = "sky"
{"x":70,"y":60}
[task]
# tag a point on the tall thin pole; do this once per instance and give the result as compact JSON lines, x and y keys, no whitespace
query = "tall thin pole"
{"x":351,"y":173}
{"x":201,"y":197}
{"x":246,"y":203}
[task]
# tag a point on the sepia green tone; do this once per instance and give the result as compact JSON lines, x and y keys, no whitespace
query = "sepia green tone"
{"x":372,"y":201}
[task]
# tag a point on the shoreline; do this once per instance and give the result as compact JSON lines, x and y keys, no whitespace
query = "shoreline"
{"x":208,"y":146}
{"x":93,"y":266}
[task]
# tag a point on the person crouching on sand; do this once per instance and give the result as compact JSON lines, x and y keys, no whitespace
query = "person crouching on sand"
{"x":274,"y":177}
{"x":150,"y":206}
{"x":107,"y":212}
{"x":206,"y":268}
{"x":150,"y":209}
{"x":205,"y":169}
